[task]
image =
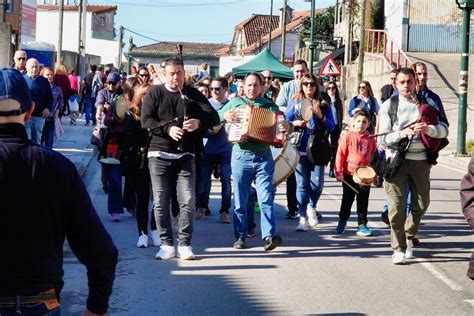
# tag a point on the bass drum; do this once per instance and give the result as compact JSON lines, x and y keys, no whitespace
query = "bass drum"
{"x":286,"y":159}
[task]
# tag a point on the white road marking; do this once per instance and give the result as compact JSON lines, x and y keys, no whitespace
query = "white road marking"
{"x":470,"y":302}
{"x":440,"y":275}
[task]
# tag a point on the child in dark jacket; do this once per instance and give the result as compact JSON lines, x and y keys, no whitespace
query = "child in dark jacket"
{"x":355,"y":149}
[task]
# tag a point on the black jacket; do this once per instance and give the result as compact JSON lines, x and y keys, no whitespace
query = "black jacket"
{"x":44,"y":201}
{"x":161,"y":106}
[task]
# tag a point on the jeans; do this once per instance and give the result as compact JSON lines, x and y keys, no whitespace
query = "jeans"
{"x":114,"y":179}
{"x":49,"y":132}
{"x":310,"y":183}
{"x":247,"y":166}
{"x":34,"y":128}
{"x":203,"y":188}
{"x":38,"y":309}
{"x":164,"y":172}
{"x":348,"y":196}
{"x":89,"y":106}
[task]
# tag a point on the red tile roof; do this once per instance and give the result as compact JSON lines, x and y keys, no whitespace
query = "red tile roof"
{"x":256,"y":26}
{"x":189,"y":49}
{"x":90,"y":8}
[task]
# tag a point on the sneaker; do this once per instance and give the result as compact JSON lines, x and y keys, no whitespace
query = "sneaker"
{"x":201,"y":213}
{"x":165,"y":253}
{"x":302,"y":225}
{"x":115,"y":217}
{"x":251,"y":232}
{"x":363,"y":230}
{"x":384,"y":218}
{"x":398,"y":257}
{"x":409,"y":250}
{"x":272,"y":242}
{"x":155,"y":237}
{"x":341,"y":227}
{"x":312,"y":217}
{"x":291,"y":215}
{"x":225,"y":218}
{"x":186,"y":253}
{"x":142,"y":241}
{"x":239,"y":243}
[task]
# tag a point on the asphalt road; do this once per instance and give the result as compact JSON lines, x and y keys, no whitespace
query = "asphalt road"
{"x":314,"y":272}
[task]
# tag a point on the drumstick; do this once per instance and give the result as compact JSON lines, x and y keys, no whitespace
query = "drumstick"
{"x":350,"y":186}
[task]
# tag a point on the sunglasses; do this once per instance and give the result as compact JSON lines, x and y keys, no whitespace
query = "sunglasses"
{"x":215,"y":88}
{"x":362,"y":87}
{"x":21,"y":58}
{"x":144,"y":75}
{"x":332,"y":88}
{"x":309,"y":84}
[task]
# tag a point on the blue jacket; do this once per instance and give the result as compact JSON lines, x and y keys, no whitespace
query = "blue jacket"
{"x":40,"y":93}
{"x":293,"y":113}
{"x":44,"y":197}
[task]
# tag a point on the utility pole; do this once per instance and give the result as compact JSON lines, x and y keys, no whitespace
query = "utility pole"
{"x":270,"y":27}
{"x":312,"y":45}
{"x":283,"y":33}
{"x":121,"y":45}
{"x":348,"y":47}
{"x":360,"y":68}
{"x":466,"y":6}
{"x":79,"y":36}
{"x":60,"y":34}
{"x":83,"y":44}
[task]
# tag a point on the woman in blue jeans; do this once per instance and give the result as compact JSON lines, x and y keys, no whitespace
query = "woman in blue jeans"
{"x":309,"y":177}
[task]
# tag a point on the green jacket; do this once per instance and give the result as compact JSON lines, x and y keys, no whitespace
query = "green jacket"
{"x":242,"y":102}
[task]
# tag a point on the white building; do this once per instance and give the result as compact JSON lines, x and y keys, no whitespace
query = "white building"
{"x":100,"y":34}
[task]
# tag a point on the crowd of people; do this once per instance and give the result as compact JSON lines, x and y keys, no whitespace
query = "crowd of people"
{"x":166,"y":134}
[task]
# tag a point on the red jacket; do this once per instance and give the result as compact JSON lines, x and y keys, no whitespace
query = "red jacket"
{"x":354,"y":149}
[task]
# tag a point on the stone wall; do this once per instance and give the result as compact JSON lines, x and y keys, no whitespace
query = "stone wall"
{"x":5,"y":47}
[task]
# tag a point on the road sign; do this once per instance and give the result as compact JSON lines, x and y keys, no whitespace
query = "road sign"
{"x":330,"y":68}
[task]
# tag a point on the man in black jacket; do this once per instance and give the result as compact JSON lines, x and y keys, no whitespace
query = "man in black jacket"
{"x":42,"y":193}
{"x":178,"y":116}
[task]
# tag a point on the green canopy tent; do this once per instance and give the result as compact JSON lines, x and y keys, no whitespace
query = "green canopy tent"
{"x":264,"y":61}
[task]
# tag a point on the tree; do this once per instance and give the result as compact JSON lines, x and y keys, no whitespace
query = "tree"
{"x":323,"y":25}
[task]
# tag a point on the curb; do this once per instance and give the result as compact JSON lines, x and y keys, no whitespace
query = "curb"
{"x":459,"y":163}
{"x":85,"y":162}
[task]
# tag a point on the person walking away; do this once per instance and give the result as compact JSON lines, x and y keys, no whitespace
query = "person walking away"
{"x":61,"y":79}
{"x":31,"y":269}
{"x":89,"y":96}
{"x":355,"y":149}
{"x":177,"y":116}
{"x":41,"y":94}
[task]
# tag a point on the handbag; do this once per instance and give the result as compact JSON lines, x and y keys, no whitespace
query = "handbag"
{"x":319,"y":149}
{"x":296,"y":136}
{"x":73,"y":104}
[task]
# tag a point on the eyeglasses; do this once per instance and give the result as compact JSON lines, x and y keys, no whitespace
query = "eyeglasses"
{"x":215,"y":88}
{"x":309,"y":84}
{"x":362,"y":87}
{"x":21,"y":58}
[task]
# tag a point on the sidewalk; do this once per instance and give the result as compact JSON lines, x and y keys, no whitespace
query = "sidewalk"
{"x":75,"y":144}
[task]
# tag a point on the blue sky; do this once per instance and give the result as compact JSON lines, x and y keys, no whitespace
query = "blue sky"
{"x":207,"y":21}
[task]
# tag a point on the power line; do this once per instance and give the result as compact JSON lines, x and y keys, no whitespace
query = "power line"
{"x":175,"y":5}
{"x":144,"y":36}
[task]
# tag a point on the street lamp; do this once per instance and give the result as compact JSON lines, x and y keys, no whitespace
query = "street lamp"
{"x":466,"y":6}
{"x":312,"y":46}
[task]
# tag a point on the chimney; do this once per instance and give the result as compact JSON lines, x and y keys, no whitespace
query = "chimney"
{"x":289,"y":15}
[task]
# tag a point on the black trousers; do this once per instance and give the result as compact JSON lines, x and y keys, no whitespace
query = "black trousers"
{"x":334,"y":142}
{"x":291,"y":193}
{"x":141,"y":183}
{"x":348,"y":196}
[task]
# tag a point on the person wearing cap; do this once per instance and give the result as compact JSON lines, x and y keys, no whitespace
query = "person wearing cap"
{"x":19,"y":61}
{"x":105,"y":104}
{"x":31,"y":266}
{"x":41,"y":94}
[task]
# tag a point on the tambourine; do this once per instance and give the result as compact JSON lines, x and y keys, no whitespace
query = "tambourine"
{"x":120,"y":106}
{"x":306,"y":109}
{"x":364,"y":176}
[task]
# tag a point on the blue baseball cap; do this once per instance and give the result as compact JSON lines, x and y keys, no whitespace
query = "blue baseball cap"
{"x":113,"y":77}
{"x":14,"y":86}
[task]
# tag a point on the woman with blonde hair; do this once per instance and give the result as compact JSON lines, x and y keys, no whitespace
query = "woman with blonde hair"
{"x":309,"y":176}
{"x":61,"y":79}
{"x":135,"y":166}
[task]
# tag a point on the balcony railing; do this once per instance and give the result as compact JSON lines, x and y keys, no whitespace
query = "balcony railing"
{"x":381,"y":45}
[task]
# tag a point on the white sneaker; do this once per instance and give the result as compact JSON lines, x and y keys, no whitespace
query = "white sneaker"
{"x":398,"y":257}
{"x":155,"y":237}
{"x":142,"y":241}
{"x":312,"y":217}
{"x":185,"y":252}
{"x":165,"y":253}
{"x":409,"y":250}
{"x":302,"y":225}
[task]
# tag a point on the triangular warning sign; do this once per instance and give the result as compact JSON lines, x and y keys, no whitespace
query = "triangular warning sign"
{"x":330,"y":68}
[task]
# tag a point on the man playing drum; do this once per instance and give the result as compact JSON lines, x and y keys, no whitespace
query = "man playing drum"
{"x":355,"y":149}
{"x":415,"y":168}
{"x":253,"y":161}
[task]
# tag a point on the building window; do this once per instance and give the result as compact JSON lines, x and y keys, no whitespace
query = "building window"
{"x":102,"y":20}
{"x":9,"y":6}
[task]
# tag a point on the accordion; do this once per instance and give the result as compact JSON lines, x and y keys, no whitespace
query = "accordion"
{"x":257,"y":125}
